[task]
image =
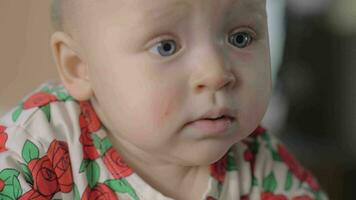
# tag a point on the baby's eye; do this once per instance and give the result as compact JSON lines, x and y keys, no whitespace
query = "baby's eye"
{"x":166,"y":47}
{"x":241,"y":39}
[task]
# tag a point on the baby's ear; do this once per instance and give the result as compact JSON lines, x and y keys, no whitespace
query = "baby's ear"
{"x":71,"y":67}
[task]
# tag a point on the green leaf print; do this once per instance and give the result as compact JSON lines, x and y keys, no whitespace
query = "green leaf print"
{"x":5,"y":197}
{"x":289,"y":181}
{"x":7,"y":174}
{"x":62,"y":96}
{"x":29,"y":151}
{"x":12,"y":188}
{"x":231,"y":163}
{"x":275,"y":155}
{"x":27,"y":173}
{"x":254,"y":181}
{"x":56,"y":88}
{"x":266,"y":138}
{"x":70,"y":98}
{"x":92,"y":173}
{"x":105,"y":144}
{"x":102,"y":144}
{"x":96,"y":140}
{"x":16,"y":114}
{"x":45,"y":89}
{"x":254,"y":147}
{"x":76,"y":195}
{"x":84,"y":165}
{"x":8,"y":191}
{"x":17,"y":187}
{"x":47,"y":111}
{"x":122,"y":186}
{"x":270,"y":183}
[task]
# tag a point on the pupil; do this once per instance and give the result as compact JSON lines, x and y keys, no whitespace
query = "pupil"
{"x":167,"y":47}
{"x":240,"y":39}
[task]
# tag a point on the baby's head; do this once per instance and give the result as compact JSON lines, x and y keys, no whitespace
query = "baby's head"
{"x":152,"y":67}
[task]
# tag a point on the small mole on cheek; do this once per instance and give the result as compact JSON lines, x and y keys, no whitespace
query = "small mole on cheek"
{"x":166,"y":109}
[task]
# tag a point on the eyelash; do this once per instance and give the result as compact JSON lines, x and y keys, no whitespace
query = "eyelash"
{"x":250,"y":33}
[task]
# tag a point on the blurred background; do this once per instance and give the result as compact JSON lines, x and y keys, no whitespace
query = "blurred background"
{"x":313,"y":51}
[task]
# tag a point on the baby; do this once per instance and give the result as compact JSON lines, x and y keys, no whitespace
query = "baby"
{"x":158,"y":100}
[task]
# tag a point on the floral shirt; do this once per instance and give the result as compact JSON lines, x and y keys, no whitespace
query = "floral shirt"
{"x":55,"y":147}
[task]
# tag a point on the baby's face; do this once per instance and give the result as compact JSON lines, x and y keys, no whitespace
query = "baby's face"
{"x":157,"y":65}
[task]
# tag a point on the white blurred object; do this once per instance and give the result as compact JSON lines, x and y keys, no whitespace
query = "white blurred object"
{"x":276,"y":113}
{"x":277,"y":31}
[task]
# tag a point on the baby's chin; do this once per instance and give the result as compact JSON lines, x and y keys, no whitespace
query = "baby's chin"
{"x":203,"y":156}
{"x":208,"y":152}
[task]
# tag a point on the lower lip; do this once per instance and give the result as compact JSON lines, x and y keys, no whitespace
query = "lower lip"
{"x":212,"y":126}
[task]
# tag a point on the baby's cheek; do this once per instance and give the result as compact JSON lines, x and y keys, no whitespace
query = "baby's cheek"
{"x":161,"y":109}
{"x":166,"y":110}
{"x":241,"y":56}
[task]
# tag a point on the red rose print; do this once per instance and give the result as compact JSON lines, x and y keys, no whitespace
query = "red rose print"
{"x":298,"y":170}
{"x":304,"y":197}
{"x":90,"y":116}
{"x":244,"y":197}
{"x":33,"y":195}
{"x":258,"y":131}
{"x":100,"y":191}
{"x":248,"y":155}
{"x":39,"y":99}
{"x":115,"y":164}
{"x":2,"y":185}
{"x":217,"y":169}
{"x":89,"y":150}
{"x":210,"y":198}
{"x":59,"y":156}
{"x":44,"y":177}
{"x":2,"y":128}
{"x":3,"y":138}
{"x":309,"y":178}
{"x":290,"y":161}
{"x":271,"y":196}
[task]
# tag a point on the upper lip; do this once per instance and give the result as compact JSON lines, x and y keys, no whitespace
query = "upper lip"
{"x":217,"y":112}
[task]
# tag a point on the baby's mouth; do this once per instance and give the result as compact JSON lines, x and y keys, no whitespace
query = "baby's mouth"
{"x":219,"y":118}
{"x":212,"y":125}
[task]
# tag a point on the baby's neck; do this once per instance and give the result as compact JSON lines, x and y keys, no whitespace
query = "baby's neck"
{"x":174,"y":181}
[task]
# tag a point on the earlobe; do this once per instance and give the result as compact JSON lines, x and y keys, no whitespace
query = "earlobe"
{"x":71,"y":67}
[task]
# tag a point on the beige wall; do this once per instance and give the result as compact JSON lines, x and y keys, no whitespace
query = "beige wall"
{"x":25,"y":57}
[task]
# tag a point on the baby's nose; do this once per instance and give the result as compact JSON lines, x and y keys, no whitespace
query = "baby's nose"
{"x":213,"y":70}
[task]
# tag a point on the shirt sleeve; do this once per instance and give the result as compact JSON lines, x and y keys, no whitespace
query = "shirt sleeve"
{"x":26,"y":170}
{"x":276,"y":172}
{"x":15,"y":176}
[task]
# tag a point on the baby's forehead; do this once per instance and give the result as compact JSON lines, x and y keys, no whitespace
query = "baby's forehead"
{"x":162,"y":4}
{"x":159,"y":5}
{"x":131,"y":14}
{"x":162,"y":9}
